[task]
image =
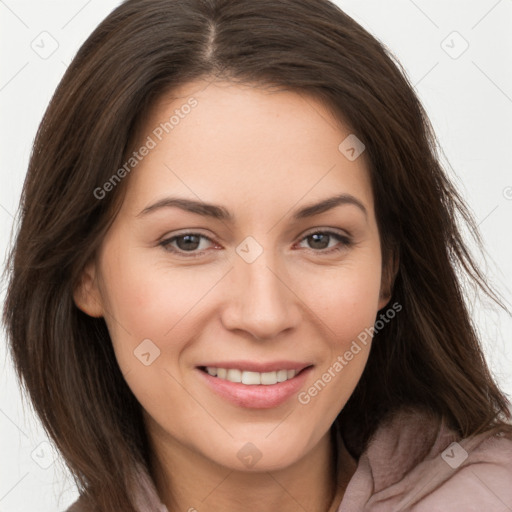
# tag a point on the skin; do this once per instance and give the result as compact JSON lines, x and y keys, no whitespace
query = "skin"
{"x":261,"y":154}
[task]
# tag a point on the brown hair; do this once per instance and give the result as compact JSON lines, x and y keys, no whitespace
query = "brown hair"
{"x":428,"y":356}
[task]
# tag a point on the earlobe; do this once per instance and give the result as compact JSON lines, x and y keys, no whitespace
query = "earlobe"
{"x":86,"y":294}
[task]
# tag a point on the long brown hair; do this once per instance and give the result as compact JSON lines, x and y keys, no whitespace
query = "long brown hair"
{"x":429,"y":355}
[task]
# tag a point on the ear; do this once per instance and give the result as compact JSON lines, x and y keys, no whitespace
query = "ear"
{"x":389,"y":271}
{"x":86,"y":294}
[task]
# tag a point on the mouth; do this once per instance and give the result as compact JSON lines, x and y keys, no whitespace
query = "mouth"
{"x":251,"y":378}
{"x":255,"y":386}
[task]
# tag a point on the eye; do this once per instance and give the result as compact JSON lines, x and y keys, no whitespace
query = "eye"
{"x":185,"y":243}
{"x":319,"y":241}
{"x":188,"y":244}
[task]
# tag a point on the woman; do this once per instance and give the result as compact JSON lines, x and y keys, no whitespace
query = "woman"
{"x":311,"y":347}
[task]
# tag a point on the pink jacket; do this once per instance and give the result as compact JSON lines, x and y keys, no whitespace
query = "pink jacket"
{"x":413,"y":463}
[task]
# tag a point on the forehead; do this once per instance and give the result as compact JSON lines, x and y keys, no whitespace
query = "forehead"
{"x":241,"y":144}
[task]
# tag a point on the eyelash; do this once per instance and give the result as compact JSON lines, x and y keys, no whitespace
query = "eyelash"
{"x":166,"y":244}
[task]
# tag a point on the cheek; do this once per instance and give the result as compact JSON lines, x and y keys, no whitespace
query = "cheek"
{"x":150,"y":309}
{"x":346,"y":304}
{"x":150,"y":303}
{"x":149,"y":299}
{"x":346,"y":299}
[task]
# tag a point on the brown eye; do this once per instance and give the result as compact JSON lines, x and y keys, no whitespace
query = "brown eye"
{"x":320,"y":240}
{"x":185,"y":243}
{"x":188,"y":242}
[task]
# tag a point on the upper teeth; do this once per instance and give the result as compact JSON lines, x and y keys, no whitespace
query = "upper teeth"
{"x":245,"y":377}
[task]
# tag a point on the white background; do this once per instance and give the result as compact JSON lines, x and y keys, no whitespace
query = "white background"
{"x":468,"y":99}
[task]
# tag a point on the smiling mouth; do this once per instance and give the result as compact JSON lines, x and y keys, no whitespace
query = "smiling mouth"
{"x":251,"y":378}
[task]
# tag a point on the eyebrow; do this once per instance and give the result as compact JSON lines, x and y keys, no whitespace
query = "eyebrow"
{"x":220,"y":213}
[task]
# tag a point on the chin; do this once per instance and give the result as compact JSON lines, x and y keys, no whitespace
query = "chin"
{"x":259,"y":453}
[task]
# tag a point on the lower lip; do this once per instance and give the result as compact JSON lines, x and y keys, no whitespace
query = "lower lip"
{"x":256,"y":396}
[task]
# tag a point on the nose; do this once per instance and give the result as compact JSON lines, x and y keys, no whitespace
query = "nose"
{"x":262,"y":303}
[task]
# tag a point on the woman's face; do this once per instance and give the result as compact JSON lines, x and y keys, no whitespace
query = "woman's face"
{"x":260,"y":274}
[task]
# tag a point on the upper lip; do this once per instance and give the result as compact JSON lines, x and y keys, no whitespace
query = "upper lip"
{"x":259,"y":367}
